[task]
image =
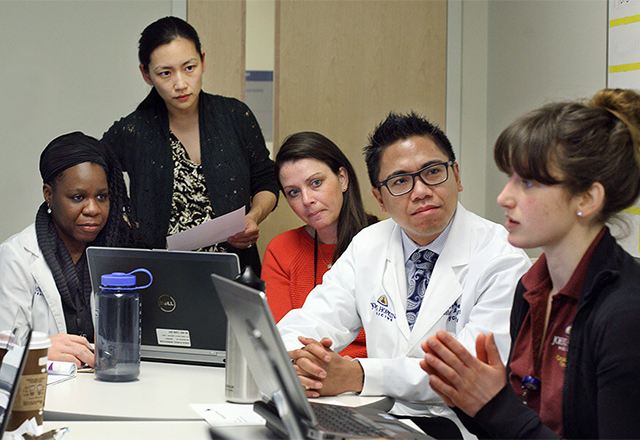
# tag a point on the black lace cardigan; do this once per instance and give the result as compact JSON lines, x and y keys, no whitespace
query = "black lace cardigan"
{"x":235,"y":160}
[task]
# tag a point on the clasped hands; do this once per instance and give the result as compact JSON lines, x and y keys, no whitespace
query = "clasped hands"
{"x":323,"y":372}
{"x":459,"y":378}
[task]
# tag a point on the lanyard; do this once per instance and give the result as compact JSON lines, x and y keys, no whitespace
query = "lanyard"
{"x":539,"y":327}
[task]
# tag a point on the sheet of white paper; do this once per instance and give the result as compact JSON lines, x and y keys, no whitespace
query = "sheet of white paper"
{"x":228,"y":414}
{"x":53,"y":379}
{"x":212,"y":232}
{"x":58,"y":371}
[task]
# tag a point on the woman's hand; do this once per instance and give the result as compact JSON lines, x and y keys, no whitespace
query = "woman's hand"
{"x":248,"y":237}
{"x":462,"y":380}
{"x":261,"y":205}
{"x":71,"y":348}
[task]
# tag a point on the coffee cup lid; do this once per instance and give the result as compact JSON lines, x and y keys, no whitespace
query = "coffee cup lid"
{"x":39,"y":340}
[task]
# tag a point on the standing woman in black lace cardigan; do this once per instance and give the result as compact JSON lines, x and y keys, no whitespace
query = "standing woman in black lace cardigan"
{"x":43,"y":269}
{"x":191,"y":156}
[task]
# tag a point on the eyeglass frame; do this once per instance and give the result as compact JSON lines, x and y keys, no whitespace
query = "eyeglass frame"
{"x":418,"y":173}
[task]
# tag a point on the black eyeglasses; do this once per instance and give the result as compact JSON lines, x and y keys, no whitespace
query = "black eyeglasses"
{"x":431,"y":175}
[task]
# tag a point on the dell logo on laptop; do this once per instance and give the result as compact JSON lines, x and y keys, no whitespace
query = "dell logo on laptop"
{"x":166,"y":303}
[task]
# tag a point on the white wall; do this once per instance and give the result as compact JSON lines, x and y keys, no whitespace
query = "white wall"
{"x":65,"y":66}
{"x":511,"y":56}
{"x":261,"y":31}
{"x":515,"y":56}
{"x":72,"y":65}
{"x":539,"y":51}
{"x":260,"y":44}
{"x":473,"y":104}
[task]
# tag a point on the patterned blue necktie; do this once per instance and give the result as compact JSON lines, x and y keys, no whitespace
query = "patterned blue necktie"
{"x":423,"y":260}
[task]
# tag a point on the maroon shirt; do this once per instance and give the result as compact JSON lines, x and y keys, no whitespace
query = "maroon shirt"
{"x":547,"y":402}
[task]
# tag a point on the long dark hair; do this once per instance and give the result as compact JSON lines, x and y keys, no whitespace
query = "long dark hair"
{"x":121,"y":228}
{"x":159,"y":33}
{"x":311,"y":145}
{"x":585,"y":141}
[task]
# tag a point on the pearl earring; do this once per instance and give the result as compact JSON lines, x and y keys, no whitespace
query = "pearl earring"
{"x":48,"y":208}
{"x":579,"y":213}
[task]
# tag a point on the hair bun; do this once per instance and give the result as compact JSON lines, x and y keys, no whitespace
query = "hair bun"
{"x":623,"y":103}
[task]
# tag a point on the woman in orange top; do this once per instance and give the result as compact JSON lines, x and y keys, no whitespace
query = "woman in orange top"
{"x":321,"y":187}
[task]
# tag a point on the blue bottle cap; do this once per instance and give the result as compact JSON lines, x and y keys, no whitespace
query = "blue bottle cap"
{"x":124,"y":280}
{"x":118,"y":279}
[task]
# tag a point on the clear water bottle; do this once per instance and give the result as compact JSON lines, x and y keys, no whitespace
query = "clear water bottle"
{"x":118,"y":335}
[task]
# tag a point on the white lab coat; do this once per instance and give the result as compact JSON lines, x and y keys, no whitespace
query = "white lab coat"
{"x":470,"y":292}
{"x":25,"y":277}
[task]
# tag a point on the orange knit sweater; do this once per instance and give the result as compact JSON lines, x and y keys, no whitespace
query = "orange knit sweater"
{"x":287,"y":269}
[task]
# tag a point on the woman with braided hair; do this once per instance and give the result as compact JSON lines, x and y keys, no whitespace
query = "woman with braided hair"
{"x":574,"y":366}
{"x":43,"y":269}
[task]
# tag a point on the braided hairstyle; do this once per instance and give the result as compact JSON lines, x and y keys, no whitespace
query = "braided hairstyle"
{"x":75,"y":148}
{"x":121,"y":229}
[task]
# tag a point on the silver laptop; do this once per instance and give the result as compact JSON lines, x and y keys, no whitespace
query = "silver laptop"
{"x":286,"y":409}
{"x":182,"y":319}
{"x":15,"y":346}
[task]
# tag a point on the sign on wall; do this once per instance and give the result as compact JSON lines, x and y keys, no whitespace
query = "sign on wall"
{"x":624,"y":72}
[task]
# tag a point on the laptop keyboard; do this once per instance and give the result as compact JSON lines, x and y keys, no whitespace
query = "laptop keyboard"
{"x":343,"y":419}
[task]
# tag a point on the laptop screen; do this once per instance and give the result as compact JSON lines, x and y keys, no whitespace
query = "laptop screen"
{"x":255,"y":329}
{"x":182,"y":318}
{"x":14,"y":348}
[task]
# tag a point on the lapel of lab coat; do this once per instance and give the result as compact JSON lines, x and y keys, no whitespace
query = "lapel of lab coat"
{"x":394,"y":280}
{"x":444,"y":288}
{"x":44,"y":279}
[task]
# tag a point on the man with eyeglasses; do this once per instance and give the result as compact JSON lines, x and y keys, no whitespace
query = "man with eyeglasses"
{"x":432,"y":266}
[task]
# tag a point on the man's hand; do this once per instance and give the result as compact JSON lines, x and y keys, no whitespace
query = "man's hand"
{"x":71,"y":348}
{"x":323,"y":372}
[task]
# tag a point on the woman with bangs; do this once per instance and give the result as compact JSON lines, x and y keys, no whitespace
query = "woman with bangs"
{"x":574,"y":365}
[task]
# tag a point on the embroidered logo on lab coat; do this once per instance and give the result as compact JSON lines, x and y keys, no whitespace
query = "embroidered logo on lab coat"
{"x":38,"y":291}
{"x":381,"y":309}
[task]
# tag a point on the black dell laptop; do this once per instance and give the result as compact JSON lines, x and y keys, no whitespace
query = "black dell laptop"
{"x":182,"y":319}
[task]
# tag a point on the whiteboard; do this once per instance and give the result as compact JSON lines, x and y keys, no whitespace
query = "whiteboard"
{"x":623,"y":71}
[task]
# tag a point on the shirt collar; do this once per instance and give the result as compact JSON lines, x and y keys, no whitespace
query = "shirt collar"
{"x":538,"y":278}
{"x":409,"y":246}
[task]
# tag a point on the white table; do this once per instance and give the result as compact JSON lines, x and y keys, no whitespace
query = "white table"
{"x":188,"y":429}
{"x":154,"y":406}
{"x":162,"y":392}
